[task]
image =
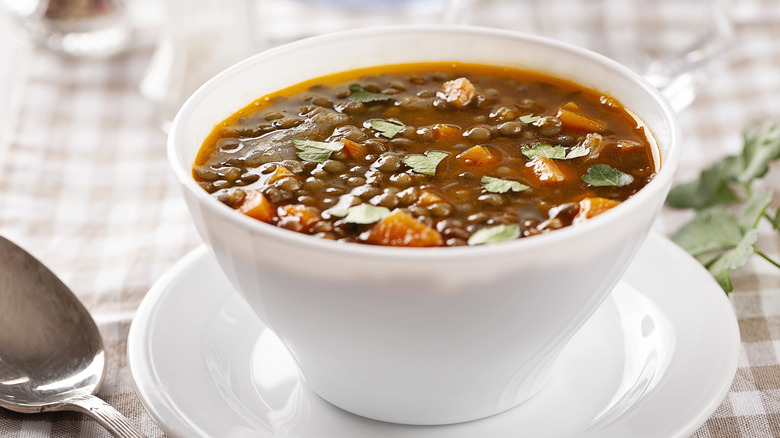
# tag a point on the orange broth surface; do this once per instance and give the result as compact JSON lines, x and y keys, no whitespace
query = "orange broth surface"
{"x":433,"y":154}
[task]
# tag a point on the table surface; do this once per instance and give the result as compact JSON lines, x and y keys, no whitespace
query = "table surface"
{"x":85,"y":186}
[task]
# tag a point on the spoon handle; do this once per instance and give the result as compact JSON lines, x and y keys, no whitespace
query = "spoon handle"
{"x":105,"y":414}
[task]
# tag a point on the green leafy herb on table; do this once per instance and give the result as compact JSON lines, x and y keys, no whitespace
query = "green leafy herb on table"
{"x":723,"y":233}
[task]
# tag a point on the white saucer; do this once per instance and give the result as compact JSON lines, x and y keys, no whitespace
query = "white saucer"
{"x":655,"y":361}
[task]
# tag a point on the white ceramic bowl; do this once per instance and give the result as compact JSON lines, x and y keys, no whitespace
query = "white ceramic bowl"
{"x":410,"y":335}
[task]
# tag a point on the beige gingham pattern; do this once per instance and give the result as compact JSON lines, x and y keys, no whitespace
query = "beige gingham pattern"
{"x":85,"y":186}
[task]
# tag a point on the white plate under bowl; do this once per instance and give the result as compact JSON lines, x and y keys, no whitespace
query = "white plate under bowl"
{"x":654,"y":361}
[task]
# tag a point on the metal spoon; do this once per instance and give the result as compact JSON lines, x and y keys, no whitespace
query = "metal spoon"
{"x":51,"y":353}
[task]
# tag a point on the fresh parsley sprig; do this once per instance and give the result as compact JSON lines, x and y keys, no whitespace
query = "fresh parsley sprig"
{"x":724,"y":232}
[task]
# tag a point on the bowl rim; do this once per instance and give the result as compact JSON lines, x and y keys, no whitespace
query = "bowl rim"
{"x":661,"y":180}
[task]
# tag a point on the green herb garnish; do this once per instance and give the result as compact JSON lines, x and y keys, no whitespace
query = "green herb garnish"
{"x":341,"y":208}
{"x":604,"y":175}
{"x":495,"y":234}
{"x":361,"y":214}
{"x":361,"y":94}
{"x":556,"y":152}
{"x":316,"y":151}
{"x":497,"y":185}
{"x":425,"y":164}
{"x":528,"y":119}
{"x":387,"y":128}
{"x":724,"y":231}
{"x":577,"y":151}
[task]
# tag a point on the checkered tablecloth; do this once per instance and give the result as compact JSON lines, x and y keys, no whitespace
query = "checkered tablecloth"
{"x":85,"y":186}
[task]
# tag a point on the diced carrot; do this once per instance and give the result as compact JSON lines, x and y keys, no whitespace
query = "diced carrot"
{"x":257,"y":206}
{"x":304,"y":215}
{"x":401,"y":229}
{"x":445,"y":132}
{"x":593,"y":206}
{"x":546,"y":170}
{"x":427,"y":198}
{"x":478,"y":156}
{"x":459,"y":92}
{"x":355,"y":150}
{"x":578,"y":122}
{"x":279,"y":173}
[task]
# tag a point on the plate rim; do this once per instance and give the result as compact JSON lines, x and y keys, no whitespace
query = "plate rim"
{"x":138,"y":351}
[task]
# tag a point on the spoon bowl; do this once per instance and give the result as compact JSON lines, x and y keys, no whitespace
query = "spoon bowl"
{"x":51,"y":352}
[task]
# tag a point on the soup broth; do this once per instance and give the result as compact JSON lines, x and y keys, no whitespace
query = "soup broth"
{"x":440,"y":154}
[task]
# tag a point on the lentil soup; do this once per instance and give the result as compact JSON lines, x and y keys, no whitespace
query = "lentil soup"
{"x":440,"y":154}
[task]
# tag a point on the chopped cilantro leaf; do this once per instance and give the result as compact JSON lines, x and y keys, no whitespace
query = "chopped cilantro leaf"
{"x":425,"y":164}
{"x":528,"y":119}
{"x":365,"y":214}
{"x":387,"y":128}
{"x":316,"y":151}
{"x":604,"y":175}
{"x":544,"y":150}
{"x":341,"y":208}
{"x":495,"y":234}
{"x":556,"y":152}
{"x":337,"y":211}
{"x":361,"y":94}
{"x":497,"y":185}
{"x":577,"y":151}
